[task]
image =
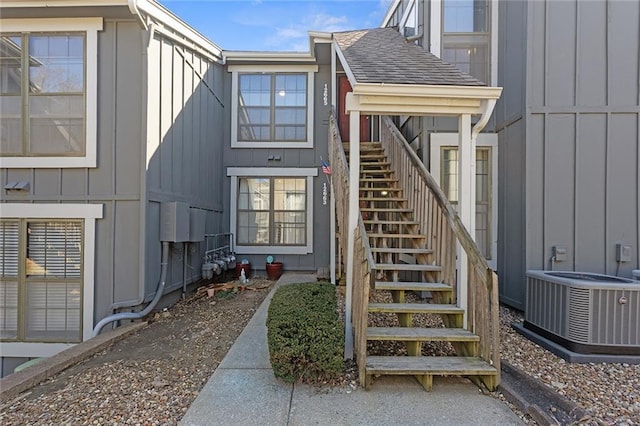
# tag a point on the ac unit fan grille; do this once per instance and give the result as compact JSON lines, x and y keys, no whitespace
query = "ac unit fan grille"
{"x":579,"y":315}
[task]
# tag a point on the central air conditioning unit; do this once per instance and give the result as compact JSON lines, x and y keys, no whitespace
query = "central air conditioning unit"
{"x":586,"y":313}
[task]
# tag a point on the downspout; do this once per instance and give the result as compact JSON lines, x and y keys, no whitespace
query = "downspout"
{"x":133,"y":8}
{"x":487,"y":110}
{"x":159,"y":291}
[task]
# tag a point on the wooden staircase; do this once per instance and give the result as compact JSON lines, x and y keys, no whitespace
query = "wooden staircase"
{"x":404,"y":262}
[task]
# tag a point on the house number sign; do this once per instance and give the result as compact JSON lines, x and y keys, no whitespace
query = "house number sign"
{"x":325,"y":193}
{"x":325,"y":95}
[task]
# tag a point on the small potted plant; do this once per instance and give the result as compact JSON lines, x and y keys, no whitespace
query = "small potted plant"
{"x":274,"y":269}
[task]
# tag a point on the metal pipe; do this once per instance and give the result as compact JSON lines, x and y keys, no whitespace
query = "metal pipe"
{"x":184,"y":269}
{"x":164,"y":266}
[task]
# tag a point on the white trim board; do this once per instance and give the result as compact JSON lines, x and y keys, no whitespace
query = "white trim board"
{"x":90,"y":26}
{"x":236,"y":172}
{"x":440,"y":140}
{"x":235,"y":69}
{"x":88,"y":212}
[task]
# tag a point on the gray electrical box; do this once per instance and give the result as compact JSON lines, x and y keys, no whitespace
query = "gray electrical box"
{"x":174,"y":222}
{"x":623,"y":253}
{"x":197,"y":222}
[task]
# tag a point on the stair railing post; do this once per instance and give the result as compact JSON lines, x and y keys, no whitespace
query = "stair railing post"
{"x":354,"y":211}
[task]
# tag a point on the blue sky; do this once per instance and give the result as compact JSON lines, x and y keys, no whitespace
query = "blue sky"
{"x":274,"y":24}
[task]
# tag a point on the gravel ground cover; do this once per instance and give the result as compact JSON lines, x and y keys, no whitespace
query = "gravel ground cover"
{"x":149,"y":378}
{"x":609,"y":392}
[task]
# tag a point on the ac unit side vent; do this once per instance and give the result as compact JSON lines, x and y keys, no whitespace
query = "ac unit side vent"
{"x":579,"y":315}
{"x":617,"y":323}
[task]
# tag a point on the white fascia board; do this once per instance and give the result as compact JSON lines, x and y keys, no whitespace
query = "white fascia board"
{"x":61,"y":3}
{"x":238,"y":56}
{"x":345,"y":65}
{"x":166,"y":18}
{"x":435,"y":91}
{"x":272,"y":68}
{"x":389,"y":13}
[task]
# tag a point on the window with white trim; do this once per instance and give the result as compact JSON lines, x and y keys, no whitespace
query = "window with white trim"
{"x":48,"y":87}
{"x":272,"y":209}
{"x":272,"y":106}
{"x":41,"y":280}
{"x":466,"y":36}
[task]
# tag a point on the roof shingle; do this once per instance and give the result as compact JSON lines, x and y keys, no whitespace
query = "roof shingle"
{"x":382,"y":55}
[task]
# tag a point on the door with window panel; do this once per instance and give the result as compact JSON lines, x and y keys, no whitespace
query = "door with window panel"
{"x":449,"y":179}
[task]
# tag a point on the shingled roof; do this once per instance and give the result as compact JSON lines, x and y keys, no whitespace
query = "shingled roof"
{"x":382,"y":55}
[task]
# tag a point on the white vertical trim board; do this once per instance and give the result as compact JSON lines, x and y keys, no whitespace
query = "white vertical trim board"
{"x":236,"y":172}
{"x":88,"y":212}
{"x":90,"y":26}
{"x":440,"y":140}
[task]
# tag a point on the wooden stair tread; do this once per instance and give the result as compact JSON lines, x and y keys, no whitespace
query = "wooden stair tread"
{"x":379,"y":189}
{"x":435,"y":365}
{"x":407,"y":267}
{"x":375,"y":163}
{"x":376,"y":172}
{"x":398,"y":199}
{"x":415,"y":308}
{"x":401,"y":250}
{"x":415,"y":334}
{"x":383,"y":235}
{"x":368,"y":179}
{"x":390,"y":222}
{"x":410,"y":285}
{"x":386,"y":210}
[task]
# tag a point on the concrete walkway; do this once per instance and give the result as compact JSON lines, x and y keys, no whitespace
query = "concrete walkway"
{"x":243,"y":391}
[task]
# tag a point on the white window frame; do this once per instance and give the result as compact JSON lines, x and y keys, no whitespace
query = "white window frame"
{"x":236,"y":172}
{"x":435,"y":36}
{"x":446,"y":140}
{"x":88,"y":212}
{"x":90,"y":26}
{"x":270,"y":69}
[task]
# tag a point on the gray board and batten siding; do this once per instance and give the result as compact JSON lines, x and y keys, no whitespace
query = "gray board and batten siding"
{"x":165,"y":149}
{"x":292,"y":158}
{"x":576,"y":137}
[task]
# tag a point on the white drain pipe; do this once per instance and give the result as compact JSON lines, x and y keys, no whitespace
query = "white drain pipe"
{"x":164,"y":265}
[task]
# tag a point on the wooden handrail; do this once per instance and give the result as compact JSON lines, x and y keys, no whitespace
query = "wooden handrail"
{"x":464,"y":238}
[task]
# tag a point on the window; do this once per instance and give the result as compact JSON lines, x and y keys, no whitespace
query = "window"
{"x":48,"y":92}
{"x":41,"y":265}
{"x":272,"y":209}
{"x":466,"y":36}
{"x":47,"y":255}
{"x":272,"y":106}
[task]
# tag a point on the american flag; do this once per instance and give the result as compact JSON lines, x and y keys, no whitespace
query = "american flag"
{"x":326,"y":168}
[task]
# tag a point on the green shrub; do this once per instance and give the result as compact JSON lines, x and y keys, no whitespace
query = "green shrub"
{"x":305,"y":335}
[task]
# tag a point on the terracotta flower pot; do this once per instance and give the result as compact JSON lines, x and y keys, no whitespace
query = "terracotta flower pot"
{"x":274,"y":270}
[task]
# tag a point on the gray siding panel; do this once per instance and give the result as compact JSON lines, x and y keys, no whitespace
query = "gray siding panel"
{"x":592,"y":53}
{"x":590,"y":204}
{"x":623,"y":218}
{"x":624,"y":45}
{"x":559,"y":148}
{"x":184,"y":151}
{"x":560,"y":53}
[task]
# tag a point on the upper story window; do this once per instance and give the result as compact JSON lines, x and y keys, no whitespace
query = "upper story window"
{"x":272,"y":106}
{"x":466,"y":36}
{"x":48,"y":80}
